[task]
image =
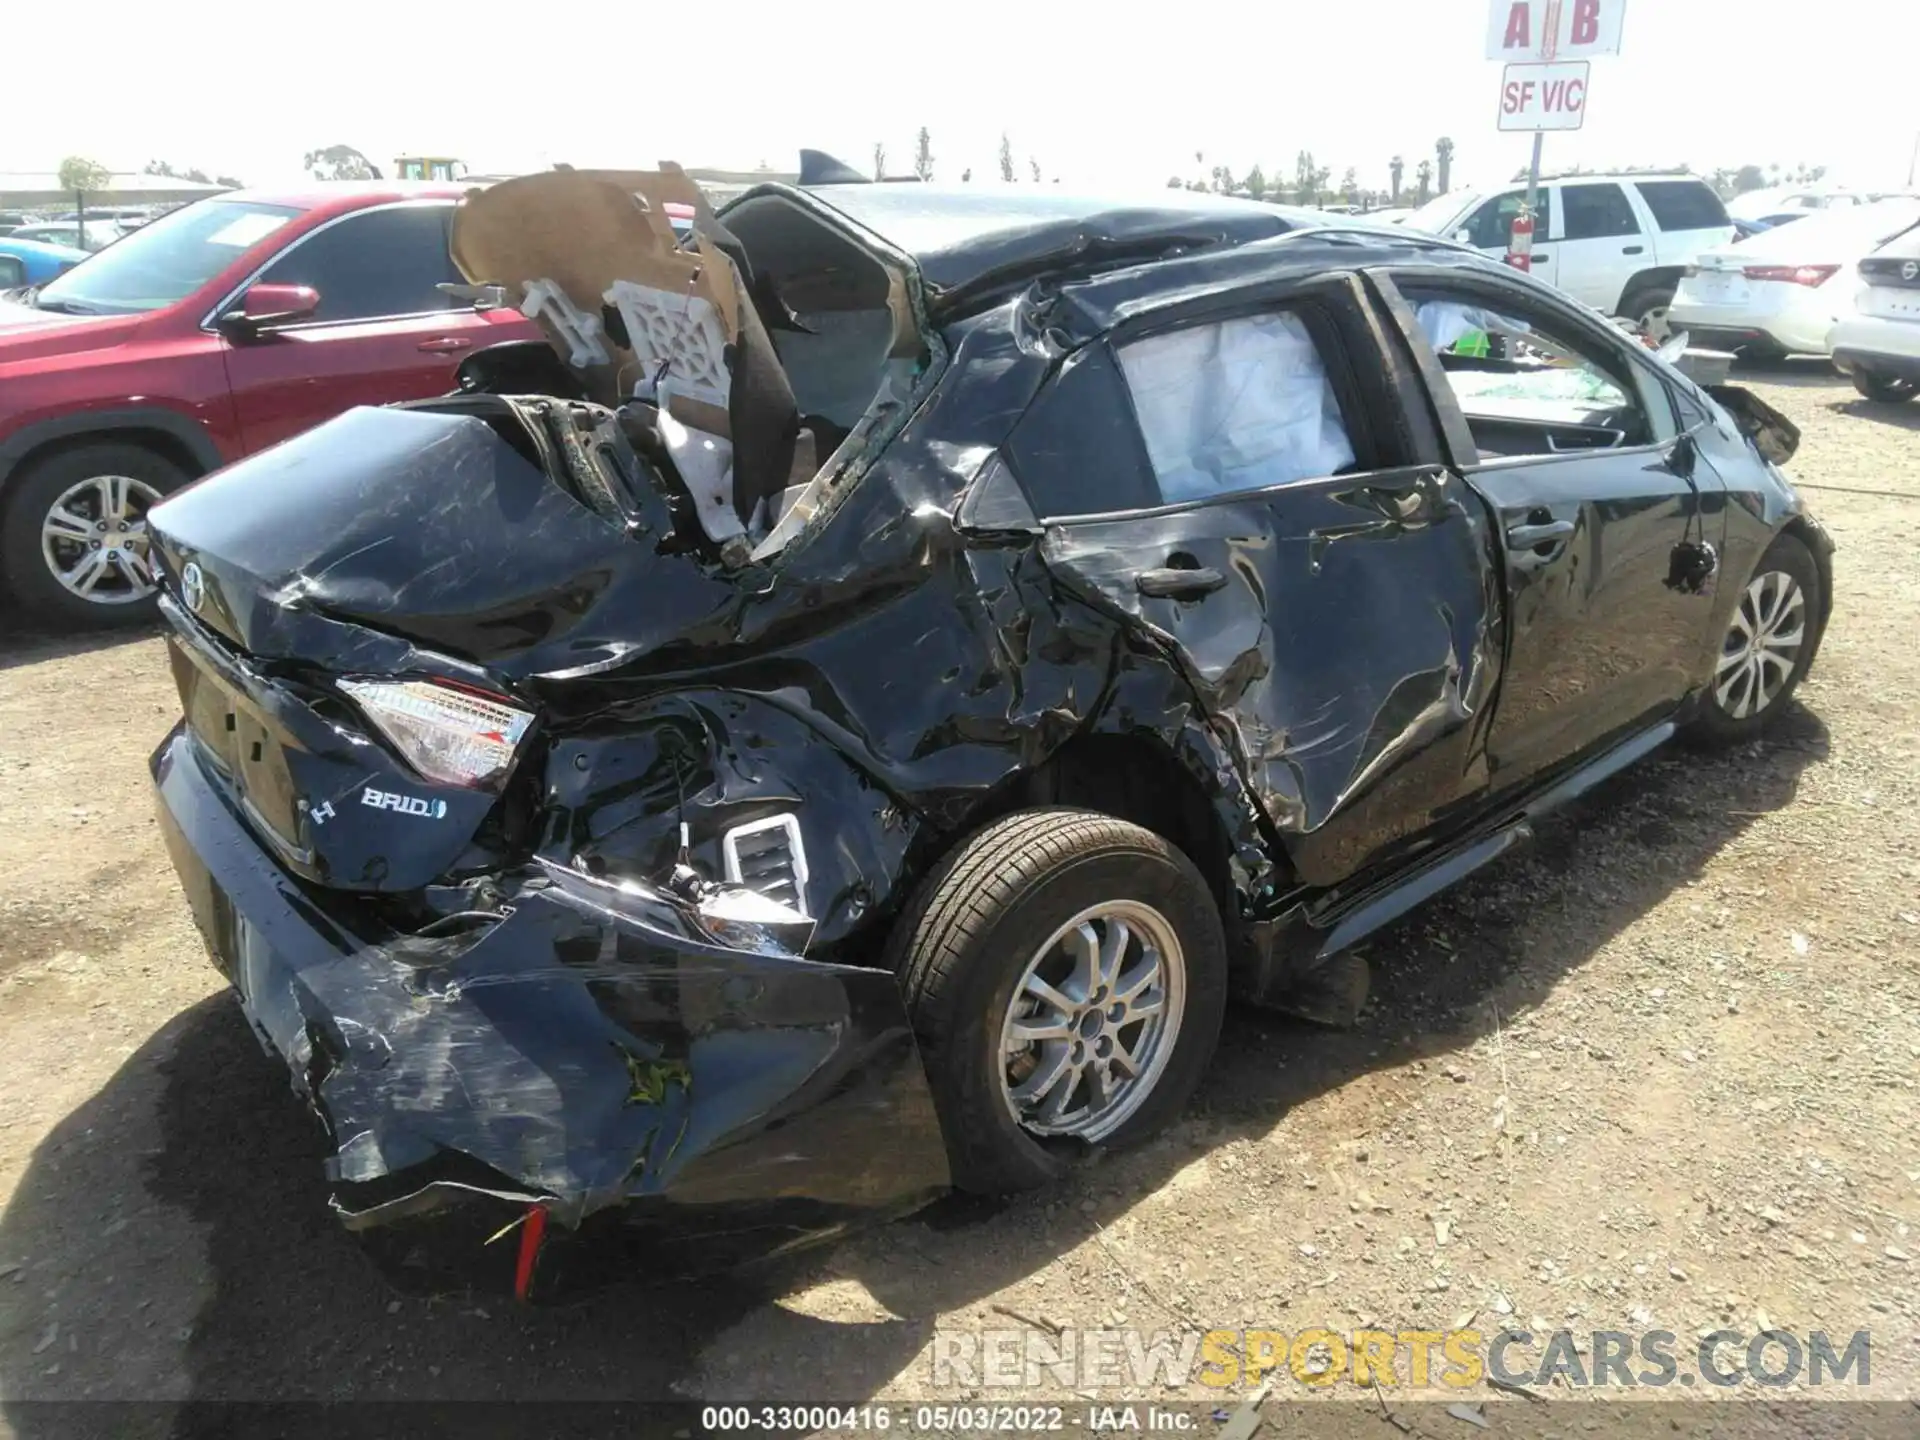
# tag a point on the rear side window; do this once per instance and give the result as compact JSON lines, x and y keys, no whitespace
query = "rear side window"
{"x":1234,"y":406}
{"x":1683,"y":205}
{"x":374,"y":264}
{"x":1594,"y":212}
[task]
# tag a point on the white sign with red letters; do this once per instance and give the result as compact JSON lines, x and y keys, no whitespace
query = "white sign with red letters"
{"x":1545,"y":31}
{"x":1544,"y":97}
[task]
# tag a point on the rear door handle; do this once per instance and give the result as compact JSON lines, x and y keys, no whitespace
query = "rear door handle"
{"x":1526,"y":537}
{"x":445,"y":346}
{"x":1632,"y":249}
{"x":1172,"y":584}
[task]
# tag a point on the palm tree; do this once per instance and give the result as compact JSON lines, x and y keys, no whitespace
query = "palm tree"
{"x":1394,"y":167}
{"x":1443,"y":150}
{"x":1424,"y":175}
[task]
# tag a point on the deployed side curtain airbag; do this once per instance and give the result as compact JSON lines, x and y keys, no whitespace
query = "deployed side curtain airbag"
{"x":1235,"y":406}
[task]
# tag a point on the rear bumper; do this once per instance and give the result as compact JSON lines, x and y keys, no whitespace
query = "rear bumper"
{"x":1877,"y":346}
{"x":588,"y":1054}
{"x":1878,"y":364}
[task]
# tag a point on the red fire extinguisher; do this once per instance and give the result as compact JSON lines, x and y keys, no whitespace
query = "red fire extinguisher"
{"x":1520,"y":241}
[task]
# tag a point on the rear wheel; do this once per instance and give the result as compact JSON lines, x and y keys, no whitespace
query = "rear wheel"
{"x":1066,"y":976}
{"x":73,"y":534}
{"x":1887,"y":389}
{"x":1768,"y":646}
{"x":1647,"y":309}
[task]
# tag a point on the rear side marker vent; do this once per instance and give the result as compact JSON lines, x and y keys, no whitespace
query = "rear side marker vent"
{"x":768,"y":857}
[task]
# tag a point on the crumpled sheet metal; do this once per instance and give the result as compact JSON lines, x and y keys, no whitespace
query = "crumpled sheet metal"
{"x":1358,"y":699}
{"x":588,"y":1050}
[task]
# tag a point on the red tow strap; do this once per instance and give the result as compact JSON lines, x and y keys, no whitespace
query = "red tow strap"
{"x":531,"y":1234}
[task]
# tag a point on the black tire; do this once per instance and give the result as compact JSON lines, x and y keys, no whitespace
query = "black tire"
{"x":1884,"y":389}
{"x":964,"y":944}
{"x":1717,"y":722}
{"x":30,"y":498}
{"x":1647,"y":309}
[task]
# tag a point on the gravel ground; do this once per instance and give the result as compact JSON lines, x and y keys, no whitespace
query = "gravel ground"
{"x":1657,"y":1072}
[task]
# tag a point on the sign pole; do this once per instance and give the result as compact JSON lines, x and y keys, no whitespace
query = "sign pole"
{"x":1533,"y":172}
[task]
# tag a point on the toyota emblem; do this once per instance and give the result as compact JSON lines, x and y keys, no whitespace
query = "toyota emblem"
{"x":193,"y":587}
{"x":1910,"y":270}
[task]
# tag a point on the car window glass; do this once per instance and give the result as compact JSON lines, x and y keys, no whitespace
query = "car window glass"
{"x":167,"y":259}
{"x":1592,"y":212}
{"x":1490,"y":227}
{"x":382,"y":262}
{"x":1234,"y":406}
{"x":1683,"y":205}
{"x":1530,"y":384}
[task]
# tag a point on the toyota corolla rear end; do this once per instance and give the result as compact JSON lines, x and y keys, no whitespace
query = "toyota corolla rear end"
{"x":511,"y":1054}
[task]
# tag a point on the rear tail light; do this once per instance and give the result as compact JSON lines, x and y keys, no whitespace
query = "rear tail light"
{"x":453,"y":735}
{"x":1793,"y":274}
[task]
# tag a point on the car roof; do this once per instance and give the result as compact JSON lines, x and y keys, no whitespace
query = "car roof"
{"x":964,"y":237}
{"x":335,"y":196}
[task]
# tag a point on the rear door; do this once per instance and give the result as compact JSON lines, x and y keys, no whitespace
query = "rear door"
{"x":383,"y":332}
{"x":1600,"y":243}
{"x":1571,"y":437}
{"x":1244,"y":486}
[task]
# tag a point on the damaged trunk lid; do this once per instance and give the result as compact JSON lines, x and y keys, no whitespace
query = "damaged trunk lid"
{"x":426,"y":525}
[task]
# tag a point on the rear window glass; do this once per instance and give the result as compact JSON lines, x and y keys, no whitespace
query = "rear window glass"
{"x":1683,"y":205}
{"x":1235,"y":406}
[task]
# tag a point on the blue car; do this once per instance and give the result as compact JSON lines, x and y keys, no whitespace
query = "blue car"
{"x":33,"y":262}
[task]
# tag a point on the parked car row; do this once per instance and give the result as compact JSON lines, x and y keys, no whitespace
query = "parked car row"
{"x":1787,"y":289}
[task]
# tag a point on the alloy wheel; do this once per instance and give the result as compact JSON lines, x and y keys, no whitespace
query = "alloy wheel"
{"x":1763,"y":645}
{"x":94,"y":539}
{"x":1655,"y":325}
{"x":1093,"y":1022}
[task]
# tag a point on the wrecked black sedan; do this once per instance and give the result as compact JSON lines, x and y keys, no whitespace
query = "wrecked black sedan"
{"x":842,"y":723}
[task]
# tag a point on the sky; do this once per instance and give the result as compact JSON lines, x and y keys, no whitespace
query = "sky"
{"x":1103,"y":96}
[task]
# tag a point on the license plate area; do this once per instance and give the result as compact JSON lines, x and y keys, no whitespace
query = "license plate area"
{"x":236,"y":741}
{"x":1719,"y":289}
{"x":1891,"y":304}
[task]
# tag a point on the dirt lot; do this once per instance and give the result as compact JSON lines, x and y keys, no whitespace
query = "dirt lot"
{"x":1658,"y":1072}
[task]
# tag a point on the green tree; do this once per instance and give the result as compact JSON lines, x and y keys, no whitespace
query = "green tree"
{"x":1034,"y":166}
{"x":923,"y":155}
{"x":1443,"y":153}
{"x":81,"y":177}
{"x":1423,"y":183}
{"x":1257,"y":183}
{"x":229,"y":182}
{"x":340,"y":162}
{"x":879,"y":161}
{"x":1006,"y":158}
{"x":1350,"y":186}
{"x":1395,"y":168}
{"x":1174,"y":182}
{"x":1748,"y":177}
{"x":160,"y":167}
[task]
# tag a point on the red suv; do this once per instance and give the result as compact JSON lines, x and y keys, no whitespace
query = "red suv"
{"x":210,"y":333}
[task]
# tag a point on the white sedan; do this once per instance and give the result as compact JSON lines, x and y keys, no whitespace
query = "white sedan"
{"x":1784,"y":289}
{"x":1877,"y":345}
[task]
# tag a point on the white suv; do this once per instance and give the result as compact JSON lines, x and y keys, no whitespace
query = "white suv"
{"x":1618,"y":242}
